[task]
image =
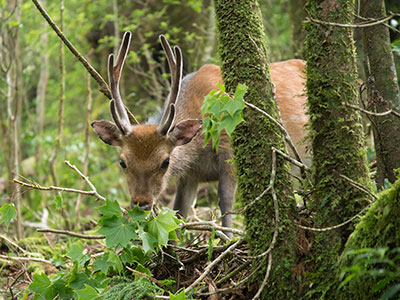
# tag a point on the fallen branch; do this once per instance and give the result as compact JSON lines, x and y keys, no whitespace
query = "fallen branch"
{"x":208,"y":269}
{"x":74,"y":234}
{"x":257,"y":295}
{"x":206,"y":225}
{"x":27,"y":259}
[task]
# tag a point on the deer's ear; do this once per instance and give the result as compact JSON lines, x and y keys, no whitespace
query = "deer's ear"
{"x":108,"y":132}
{"x":183,"y":132}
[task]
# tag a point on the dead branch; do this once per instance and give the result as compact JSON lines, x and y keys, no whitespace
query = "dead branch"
{"x":381,"y":114}
{"x":207,"y":225}
{"x":74,"y":234}
{"x":257,"y":295}
{"x":208,"y":269}
{"x":27,"y":259}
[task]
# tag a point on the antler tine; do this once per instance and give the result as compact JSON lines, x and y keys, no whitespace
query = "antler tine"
{"x":118,"y":110}
{"x":168,"y":52}
{"x":169,"y":112}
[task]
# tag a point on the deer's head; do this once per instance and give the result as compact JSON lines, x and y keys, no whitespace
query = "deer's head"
{"x":145,"y":149}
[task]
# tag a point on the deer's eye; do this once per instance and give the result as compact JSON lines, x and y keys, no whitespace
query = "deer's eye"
{"x":165,"y":164}
{"x":122,"y":163}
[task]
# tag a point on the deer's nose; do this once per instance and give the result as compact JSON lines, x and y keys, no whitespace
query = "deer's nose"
{"x":144,"y":206}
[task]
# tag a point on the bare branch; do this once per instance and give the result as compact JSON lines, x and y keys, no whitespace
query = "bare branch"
{"x":74,"y":234}
{"x":208,"y":269}
{"x":27,"y":259}
{"x":381,"y":114}
{"x":257,"y":295}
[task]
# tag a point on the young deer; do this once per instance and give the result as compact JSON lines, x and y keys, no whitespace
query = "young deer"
{"x":151,"y":153}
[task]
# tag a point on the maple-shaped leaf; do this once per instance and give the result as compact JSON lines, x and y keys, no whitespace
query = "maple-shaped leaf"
{"x":110,"y":208}
{"x":117,"y":230}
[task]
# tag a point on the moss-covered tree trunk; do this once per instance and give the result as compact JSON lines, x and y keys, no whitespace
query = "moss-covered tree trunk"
{"x":238,"y":23}
{"x":383,"y":91}
{"x":336,"y":135}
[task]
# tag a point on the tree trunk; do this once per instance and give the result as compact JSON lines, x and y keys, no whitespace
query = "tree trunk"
{"x":383,"y":91}
{"x":297,"y":16}
{"x":336,"y":135}
{"x":239,"y":23}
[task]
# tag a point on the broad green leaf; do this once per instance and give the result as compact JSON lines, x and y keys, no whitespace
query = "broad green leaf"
{"x":42,"y":287}
{"x":233,"y":106}
{"x":110,"y":208}
{"x":168,"y":219}
{"x":76,"y":253}
{"x":102,"y":264}
{"x":58,"y":200}
{"x":137,"y":214}
{"x":229,"y":123}
{"x":148,"y":241}
{"x":240,"y":91}
{"x":7,"y":212}
{"x":114,"y":258}
{"x":117,"y":230}
{"x":88,"y":293}
{"x":180,"y":296}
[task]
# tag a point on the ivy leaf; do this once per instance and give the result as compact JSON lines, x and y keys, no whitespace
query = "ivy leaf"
{"x":161,"y":225}
{"x":240,"y":91}
{"x":137,"y":214}
{"x":88,"y":293}
{"x":110,"y":208}
{"x":42,"y":286}
{"x":180,"y":296}
{"x":76,"y":253}
{"x":230,"y":123}
{"x":102,"y":264}
{"x":234,"y":105}
{"x":7,"y":212}
{"x":117,"y":231}
{"x":148,"y":242}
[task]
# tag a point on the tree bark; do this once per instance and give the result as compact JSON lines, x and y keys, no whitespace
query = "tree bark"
{"x":336,"y":136}
{"x":383,"y":91}
{"x":239,"y":23}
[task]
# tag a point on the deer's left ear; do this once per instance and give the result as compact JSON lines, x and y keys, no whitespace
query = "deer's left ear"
{"x":183,"y":132}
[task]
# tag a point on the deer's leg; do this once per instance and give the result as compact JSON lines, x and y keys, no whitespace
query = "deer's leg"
{"x":226,"y":192}
{"x":185,"y":195}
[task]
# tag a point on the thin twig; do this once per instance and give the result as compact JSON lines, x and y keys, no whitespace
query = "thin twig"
{"x":208,"y":269}
{"x":13,"y":243}
{"x":36,"y":186}
{"x":19,"y":259}
{"x":159,"y":283}
{"x":206,"y":225}
{"x":335,"y":226}
{"x":281,"y":128}
{"x":276,"y":208}
{"x":103,"y":85}
{"x":362,"y":25}
{"x":86,"y":178}
{"x":74,"y":234}
{"x":381,"y":114}
{"x":358,"y":186}
{"x":257,"y":295}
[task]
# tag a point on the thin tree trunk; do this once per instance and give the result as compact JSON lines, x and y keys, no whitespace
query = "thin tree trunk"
{"x":297,"y":16}
{"x":239,"y":23}
{"x":336,"y":135}
{"x":42,"y":85}
{"x":383,"y":91}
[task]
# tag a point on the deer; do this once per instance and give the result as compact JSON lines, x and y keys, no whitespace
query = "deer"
{"x":171,"y":145}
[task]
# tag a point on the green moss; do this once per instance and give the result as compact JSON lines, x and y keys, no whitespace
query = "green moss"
{"x":336,"y":136}
{"x":378,"y":228}
{"x":239,"y":22}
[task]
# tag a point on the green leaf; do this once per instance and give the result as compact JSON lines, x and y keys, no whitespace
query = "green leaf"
{"x":42,"y":286}
{"x":102,"y":264}
{"x":88,"y":293}
{"x":137,"y":214}
{"x":58,"y":200}
{"x":117,"y":230}
{"x":114,"y":258}
{"x":234,"y":105}
{"x":230,"y":123}
{"x":164,"y":223}
{"x":76,"y":253}
{"x":240,"y":91}
{"x":148,"y":241}
{"x":390,"y":292}
{"x":110,"y":208}
{"x":7,"y":212}
{"x":180,"y":296}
